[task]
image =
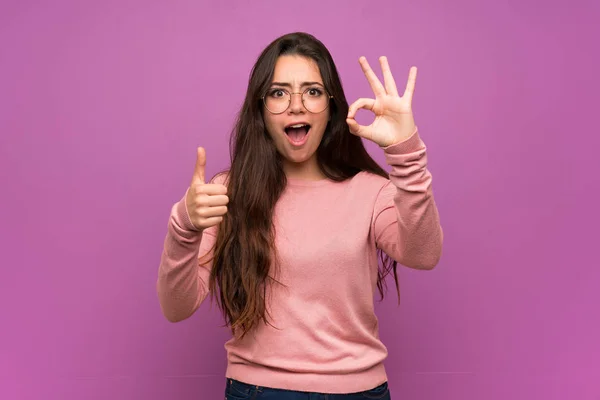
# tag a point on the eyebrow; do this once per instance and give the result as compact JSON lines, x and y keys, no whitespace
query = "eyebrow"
{"x":303,"y":84}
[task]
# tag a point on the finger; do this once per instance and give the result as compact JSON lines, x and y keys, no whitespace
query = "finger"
{"x":212,"y":189}
{"x":367,"y":104}
{"x":198,"y":177}
{"x":410,"y":85}
{"x":213,"y":201}
{"x":208,"y":212}
{"x":212,"y":221}
{"x":388,"y":78}
{"x":357,"y":129}
{"x":376,"y":85}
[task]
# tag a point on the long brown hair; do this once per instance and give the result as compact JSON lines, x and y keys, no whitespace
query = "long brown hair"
{"x":244,"y":250}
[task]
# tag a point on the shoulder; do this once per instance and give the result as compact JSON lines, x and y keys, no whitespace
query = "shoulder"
{"x":369,"y":181}
{"x":380,"y":190}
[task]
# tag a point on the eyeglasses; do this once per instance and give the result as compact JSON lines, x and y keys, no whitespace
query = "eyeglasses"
{"x":314,"y":99}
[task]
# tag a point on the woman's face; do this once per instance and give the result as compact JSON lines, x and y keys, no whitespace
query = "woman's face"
{"x":297,"y":132}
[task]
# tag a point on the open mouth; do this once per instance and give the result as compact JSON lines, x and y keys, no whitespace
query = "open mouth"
{"x":297,"y":133}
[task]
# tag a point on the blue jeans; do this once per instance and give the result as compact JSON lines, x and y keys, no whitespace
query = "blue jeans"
{"x":236,"y":390}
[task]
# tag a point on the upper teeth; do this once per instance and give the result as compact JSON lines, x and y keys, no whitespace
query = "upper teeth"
{"x":297,"y":126}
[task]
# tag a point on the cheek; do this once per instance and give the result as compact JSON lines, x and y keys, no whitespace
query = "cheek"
{"x":322,"y":123}
{"x":269,"y":124}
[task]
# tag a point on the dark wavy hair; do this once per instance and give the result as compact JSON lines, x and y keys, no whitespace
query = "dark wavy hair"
{"x":244,"y":250}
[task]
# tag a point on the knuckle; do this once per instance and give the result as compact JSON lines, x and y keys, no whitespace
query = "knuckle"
{"x":202,"y":201}
{"x":199,"y":200}
{"x":198,"y":189}
{"x":201,"y":189}
{"x":197,"y":221}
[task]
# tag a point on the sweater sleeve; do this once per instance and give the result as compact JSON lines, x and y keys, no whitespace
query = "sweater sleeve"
{"x":183,"y":278}
{"x":406,"y":220}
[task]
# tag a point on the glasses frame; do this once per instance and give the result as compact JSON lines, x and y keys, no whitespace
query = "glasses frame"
{"x":301,"y":98}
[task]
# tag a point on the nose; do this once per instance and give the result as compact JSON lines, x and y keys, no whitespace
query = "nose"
{"x":296,"y":105}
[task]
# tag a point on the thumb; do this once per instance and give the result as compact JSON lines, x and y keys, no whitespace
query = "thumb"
{"x":198,"y":177}
{"x":359,"y":130}
{"x":355,"y":127}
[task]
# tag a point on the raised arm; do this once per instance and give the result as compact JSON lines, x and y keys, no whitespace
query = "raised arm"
{"x":183,"y":278}
{"x":406,"y":220}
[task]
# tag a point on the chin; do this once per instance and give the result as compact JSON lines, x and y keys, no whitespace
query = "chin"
{"x":298,"y":159}
{"x":297,"y":156}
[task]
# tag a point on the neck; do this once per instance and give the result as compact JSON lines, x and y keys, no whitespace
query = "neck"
{"x":308,"y":170}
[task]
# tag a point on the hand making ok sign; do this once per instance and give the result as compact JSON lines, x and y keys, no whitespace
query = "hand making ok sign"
{"x":394,"y":120}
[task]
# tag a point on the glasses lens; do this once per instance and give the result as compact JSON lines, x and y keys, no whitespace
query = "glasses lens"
{"x":277,"y":100}
{"x":315,"y":99}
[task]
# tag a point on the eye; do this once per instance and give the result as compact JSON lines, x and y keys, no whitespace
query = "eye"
{"x":276,"y":93}
{"x":315,"y":92}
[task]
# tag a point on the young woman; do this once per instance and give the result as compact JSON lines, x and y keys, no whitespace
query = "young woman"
{"x":287,"y":240}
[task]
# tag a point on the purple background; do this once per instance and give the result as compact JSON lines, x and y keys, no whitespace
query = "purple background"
{"x":102,"y":105}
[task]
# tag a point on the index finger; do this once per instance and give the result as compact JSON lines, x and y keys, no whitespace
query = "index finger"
{"x":376,"y":85}
{"x":213,"y":189}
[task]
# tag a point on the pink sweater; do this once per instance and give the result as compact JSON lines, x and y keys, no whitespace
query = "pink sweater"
{"x":325,"y":337}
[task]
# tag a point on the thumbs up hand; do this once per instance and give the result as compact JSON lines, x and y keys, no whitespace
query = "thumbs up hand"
{"x":206,"y":203}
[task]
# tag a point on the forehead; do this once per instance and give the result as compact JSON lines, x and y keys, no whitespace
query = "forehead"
{"x":296,"y":69}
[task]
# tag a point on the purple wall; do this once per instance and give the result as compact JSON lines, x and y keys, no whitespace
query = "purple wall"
{"x":102,"y":106}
